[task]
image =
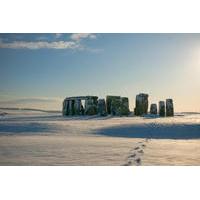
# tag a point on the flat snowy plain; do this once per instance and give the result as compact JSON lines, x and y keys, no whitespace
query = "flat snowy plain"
{"x":39,"y":138}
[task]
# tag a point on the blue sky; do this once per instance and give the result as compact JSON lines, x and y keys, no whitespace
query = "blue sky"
{"x":39,"y":70}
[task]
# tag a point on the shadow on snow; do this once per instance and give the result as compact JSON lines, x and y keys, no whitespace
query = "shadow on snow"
{"x":153,"y":131}
{"x":11,"y":129}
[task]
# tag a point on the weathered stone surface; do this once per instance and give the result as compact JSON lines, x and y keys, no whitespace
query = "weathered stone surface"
{"x":141,"y":107}
{"x":125,"y":106}
{"x":82,"y":112}
{"x":153,"y":109}
{"x":162,"y":108}
{"x":116,"y":106}
{"x":169,"y":107}
{"x":102,"y":107}
{"x":77,"y":106}
{"x":64,"y":110}
{"x":73,"y":105}
{"x":91,"y":106}
{"x":108,"y":102}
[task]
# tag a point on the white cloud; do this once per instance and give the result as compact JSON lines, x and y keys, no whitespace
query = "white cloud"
{"x":40,"y":45}
{"x":80,"y":36}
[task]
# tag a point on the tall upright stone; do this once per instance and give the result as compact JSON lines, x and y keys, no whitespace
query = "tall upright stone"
{"x":162,"y":108}
{"x":64,"y":110}
{"x":153,"y":109}
{"x":125,"y":106}
{"x":109,"y":100}
{"x":77,"y":106}
{"x":141,"y":107}
{"x":102,"y":107}
{"x":91,"y":106}
{"x":72,"y":110}
{"x":116,"y":106}
{"x":169,"y":107}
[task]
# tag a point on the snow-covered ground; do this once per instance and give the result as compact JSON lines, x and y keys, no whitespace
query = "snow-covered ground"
{"x":39,"y":138}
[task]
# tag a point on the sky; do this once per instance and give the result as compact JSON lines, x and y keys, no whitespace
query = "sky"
{"x":40,"y":70}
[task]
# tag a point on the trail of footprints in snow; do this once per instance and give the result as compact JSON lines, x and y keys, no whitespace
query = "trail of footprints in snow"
{"x":136,"y":153}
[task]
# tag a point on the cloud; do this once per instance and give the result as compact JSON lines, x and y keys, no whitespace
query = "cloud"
{"x":40,"y":45}
{"x":80,"y":36}
{"x":42,"y":42}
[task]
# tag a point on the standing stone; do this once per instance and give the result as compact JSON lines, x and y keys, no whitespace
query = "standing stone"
{"x":116,"y":106}
{"x":125,"y":106}
{"x":102,"y":107}
{"x":153,"y":109}
{"x":162,"y":108}
{"x":82,"y":110}
{"x":109,"y":100}
{"x":141,"y":104}
{"x":169,"y":107}
{"x":67,"y":107}
{"x":64,"y":110}
{"x":77,"y":106}
{"x":91,"y":106}
{"x":71,"y":107}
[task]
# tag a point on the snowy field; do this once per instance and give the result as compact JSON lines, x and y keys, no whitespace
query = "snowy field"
{"x":39,"y":138}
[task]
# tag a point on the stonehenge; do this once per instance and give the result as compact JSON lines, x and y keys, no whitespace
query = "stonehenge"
{"x":115,"y":105}
{"x":141,"y":104}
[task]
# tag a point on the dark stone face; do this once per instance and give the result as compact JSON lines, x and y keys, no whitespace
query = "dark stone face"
{"x":91,"y":106}
{"x":77,"y":106}
{"x":102,"y":107}
{"x":153,"y":109}
{"x":169,"y":108}
{"x":141,"y":104}
{"x":92,"y":110}
{"x":65,"y":110}
{"x":73,"y":105}
{"x":162,"y":108}
{"x":117,"y":105}
{"x":124,"y":106}
{"x":109,"y":100}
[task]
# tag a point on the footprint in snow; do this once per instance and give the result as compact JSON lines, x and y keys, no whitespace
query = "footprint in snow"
{"x":135,"y":154}
{"x":136,"y":148}
{"x":141,"y":151}
{"x":132,"y":156}
{"x":138,"y":161}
